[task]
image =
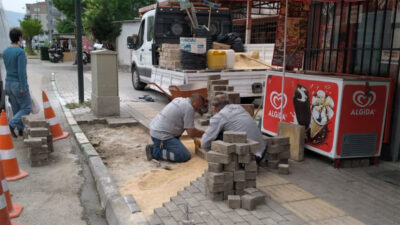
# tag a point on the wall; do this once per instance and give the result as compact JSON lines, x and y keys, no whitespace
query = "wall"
{"x":124,"y":54}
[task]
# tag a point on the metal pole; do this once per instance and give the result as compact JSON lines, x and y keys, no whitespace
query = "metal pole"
{"x":284,"y":62}
{"x":248,"y":22}
{"x":78,"y":20}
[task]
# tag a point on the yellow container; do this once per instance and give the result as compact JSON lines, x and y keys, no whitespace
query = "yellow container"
{"x":216,"y":59}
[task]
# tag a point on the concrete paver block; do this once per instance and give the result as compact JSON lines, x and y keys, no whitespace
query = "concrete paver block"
{"x":268,"y":179}
{"x":251,"y":183}
{"x":242,"y":149}
{"x":239,"y":175}
{"x":215,"y":167}
{"x":217,"y":178}
{"x":245,"y":158}
{"x":218,"y":87}
{"x":273,"y":164}
{"x":251,"y":166}
{"x":251,"y":175}
{"x":254,"y":146}
{"x":281,"y":140}
{"x":296,"y":134}
{"x":235,"y":137}
{"x":38,"y":132}
{"x":223,"y":147}
{"x":248,"y":202}
{"x":216,"y":157}
{"x":283,"y":168}
{"x":201,"y":152}
{"x":344,"y":220}
{"x":234,"y":201}
{"x":276,"y":148}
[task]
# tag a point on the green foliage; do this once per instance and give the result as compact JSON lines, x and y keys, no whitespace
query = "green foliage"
{"x":65,"y":26}
{"x":30,"y":52}
{"x":74,"y":105}
{"x":30,"y":28}
{"x":67,"y":7}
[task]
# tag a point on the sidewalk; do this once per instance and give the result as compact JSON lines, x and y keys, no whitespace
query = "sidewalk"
{"x":314,"y":192}
{"x":61,"y":191}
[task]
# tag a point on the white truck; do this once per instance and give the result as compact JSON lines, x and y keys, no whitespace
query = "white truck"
{"x":166,"y":24}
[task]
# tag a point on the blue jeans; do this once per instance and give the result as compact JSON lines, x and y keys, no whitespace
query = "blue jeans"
{"x":21,"y":104}
{"x":171,"y":149}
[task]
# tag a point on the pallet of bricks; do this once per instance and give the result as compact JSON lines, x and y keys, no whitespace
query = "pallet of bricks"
{"x":170,"y":56}
{"x":232,"y":171}
{"x":215,"y":86}
{"x":277,"y":153}
{"x":39,"y":140}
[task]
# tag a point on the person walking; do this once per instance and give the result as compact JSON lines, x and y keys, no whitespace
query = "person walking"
{"x":16,"y":86}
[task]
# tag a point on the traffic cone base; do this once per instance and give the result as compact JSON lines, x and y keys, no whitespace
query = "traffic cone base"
{"x":20,"y":175}
{"x":17,"y":210}
{"x":64,"y":135}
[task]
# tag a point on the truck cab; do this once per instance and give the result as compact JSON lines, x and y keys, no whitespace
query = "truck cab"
{"x":166,"y":23}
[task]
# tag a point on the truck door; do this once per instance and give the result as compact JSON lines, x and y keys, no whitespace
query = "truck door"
{"x":139,"y":53}
{"x":147,"y":45}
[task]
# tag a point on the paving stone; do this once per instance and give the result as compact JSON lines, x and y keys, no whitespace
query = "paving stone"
{"x":283,"y":168}
{"x":216,"y":157}
{"x":38,"y":132}
{"x":280,"y":140}
{"x":171,"y":206}
{"x":226,"y":221}
{"x":192,"y":202}
{"x":254,"y":146}
{"x":269,"y":221}
{"x":345,"y":220}
{"x":215,"y":196}
{"x":234,"y":216}
{"x":193,"y":216}
{"x":161,"y":212}
{"x":215,"y":178}
{"x":223,"y":207}
{"x":275,"y":149}
{"x":245,"y":158}
{"x":242,"y":149}
{"x":178,"y":200}
{"x":232,"y":166}
{"x":202,"y":153}
{"x":192,"y":189}
{"x":270,"y":156}
{"x":276,"y":207}
{"x":295,"y":219}
{"x":234,"y":201}
{"x":208,"y":204}
{"x":32,"y":123}
{"x":155,"y":220}
{"x":273,"y":164}
{"x":240,"y":185}
{"x":284,"y":155}
{"x":242,"y":223}
{"x":169,"y":220}
{"x":118,"y":121}
{"x":251,"y":176}
{"x":223,"y":147}
{"x":199,"y":196}
{"x":218,"y":214}
{"x":250,"y":183}
{"x":252,"y":220}
{"x":239,"y":176}
{"x":184,"y":194}
{"x":268,"y":179}
{"x":235,"y":137}
{"x":251,"y":166}
{"x":248,"y":202}
{"x":215,"y":167}
{"x":178,"y":215}
{"x":275,"y":216}
{"x":242,"y":212}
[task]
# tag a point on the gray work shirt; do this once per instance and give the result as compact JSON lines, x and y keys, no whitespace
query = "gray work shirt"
{"x":232,"y":118}
{"x":177,"y":116}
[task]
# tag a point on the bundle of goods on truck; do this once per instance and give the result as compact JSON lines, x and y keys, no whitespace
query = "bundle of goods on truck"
{"x":193,"y":54}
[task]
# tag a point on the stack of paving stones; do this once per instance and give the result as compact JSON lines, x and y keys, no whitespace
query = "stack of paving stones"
{"x":215,"y":86}
{"x":39,"y":140}
{"x":170,"y":56}
{"x":232,"y":171}
{"x":278,"y":153}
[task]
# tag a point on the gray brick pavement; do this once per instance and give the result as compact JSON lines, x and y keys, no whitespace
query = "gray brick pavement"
{"x":204,"y":211}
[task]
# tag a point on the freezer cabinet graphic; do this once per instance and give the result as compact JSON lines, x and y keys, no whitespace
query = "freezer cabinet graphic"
{"x":343,"y":116}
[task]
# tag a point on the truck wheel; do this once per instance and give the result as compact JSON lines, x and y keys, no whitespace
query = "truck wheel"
{"x":137,"y":84}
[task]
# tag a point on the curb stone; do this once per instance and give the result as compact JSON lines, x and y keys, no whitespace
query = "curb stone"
{"x":116,"y":209}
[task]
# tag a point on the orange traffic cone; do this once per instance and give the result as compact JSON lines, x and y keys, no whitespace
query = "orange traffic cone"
{"x":7,"y":152}
{"x":51,"y":118}
{"x":4,"y":217}
{"x":14,"y":210}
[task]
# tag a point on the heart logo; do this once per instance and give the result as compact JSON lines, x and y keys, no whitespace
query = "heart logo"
{"x":275,"y":99}
{"x":362,"y":100}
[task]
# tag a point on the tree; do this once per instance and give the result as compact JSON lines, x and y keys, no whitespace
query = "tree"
{"x":30,"y":28}
{"x":65,"y":26}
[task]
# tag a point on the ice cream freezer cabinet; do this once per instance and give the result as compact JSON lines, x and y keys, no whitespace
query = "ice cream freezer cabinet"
{"x":343,"y":116}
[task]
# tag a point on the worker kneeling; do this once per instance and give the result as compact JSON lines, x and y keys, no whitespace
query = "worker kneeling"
{"x":231,"y":117}
{"x":167,"y":127}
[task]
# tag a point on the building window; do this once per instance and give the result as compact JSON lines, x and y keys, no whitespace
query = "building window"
{"x":354,"y":37}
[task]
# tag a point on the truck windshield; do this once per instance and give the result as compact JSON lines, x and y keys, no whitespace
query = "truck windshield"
{"x":150,"y":28}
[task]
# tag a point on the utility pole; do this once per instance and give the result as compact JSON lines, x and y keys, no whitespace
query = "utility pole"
{"x":78,"y":21}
